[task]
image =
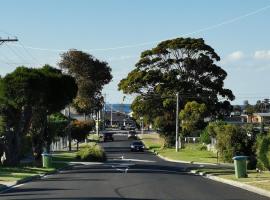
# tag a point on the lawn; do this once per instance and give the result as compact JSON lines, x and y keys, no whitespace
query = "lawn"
{"x":93,"y":137}
{"x":260,"y":180}
{"x":152,"y":141}
{"x":191,"y":152}
{"x":10,"y":174}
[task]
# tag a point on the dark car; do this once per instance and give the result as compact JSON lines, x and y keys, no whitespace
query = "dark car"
{"x":107,"y":137}
{"x":132,"y":135}
{"x":137,"y":146}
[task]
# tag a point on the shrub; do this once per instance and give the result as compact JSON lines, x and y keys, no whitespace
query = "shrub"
{"x":231,"y":141}
{"x":205,"y":137}
{"x":80,"y":129}
{"x":202,"y":147}
{"x":91,"y":153}
{"x":263,"y":152}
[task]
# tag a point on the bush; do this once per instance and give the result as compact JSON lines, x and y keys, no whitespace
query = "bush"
{"x":263,"y":152}
{"x":205,"y":137}
{"x":91,"y":153}
{"x":80,"y":129}
{"x":231,"y":141}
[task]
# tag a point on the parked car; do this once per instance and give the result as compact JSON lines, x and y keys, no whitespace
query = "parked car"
{"x":107,"y":137}
{"x":137,"y":146}
{"x":132,"y":135}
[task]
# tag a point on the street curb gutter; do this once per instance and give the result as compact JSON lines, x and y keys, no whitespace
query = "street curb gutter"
{"x":218,"y":179}
{"x":191,"y":162}
{"x":4,"y":188}
{"x":233,"y":183}
{"x":240,"y":185}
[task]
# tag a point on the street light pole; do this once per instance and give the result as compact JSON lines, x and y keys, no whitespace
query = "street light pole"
{"x":141,"y":118}
{"x":69,"y":129}
{"x":176,"y":124}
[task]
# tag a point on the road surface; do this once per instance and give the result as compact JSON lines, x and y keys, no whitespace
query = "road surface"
{"x":127,"y":175}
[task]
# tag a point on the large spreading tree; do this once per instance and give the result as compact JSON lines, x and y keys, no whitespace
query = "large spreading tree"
{"x":28,"y":97}
{"x":91,"y":75}
{"x":184,"y":65}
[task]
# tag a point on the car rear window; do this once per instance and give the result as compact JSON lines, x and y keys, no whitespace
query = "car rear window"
{"x":137,"y":143}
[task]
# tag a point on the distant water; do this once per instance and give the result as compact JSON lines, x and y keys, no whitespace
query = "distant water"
{"x":119,"y":107}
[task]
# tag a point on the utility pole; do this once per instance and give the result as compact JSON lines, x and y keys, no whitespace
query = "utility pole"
{"x":104,"y":112}
{"x":111,"y":116}
{"x":2,"y":41}
{"x":97,"y":122}
{"x":177,"y":126}
{"x":69,"y":130}
{"x":141,"y":118}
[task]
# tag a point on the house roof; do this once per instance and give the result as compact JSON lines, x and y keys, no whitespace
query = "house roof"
{"x":262,"y":114}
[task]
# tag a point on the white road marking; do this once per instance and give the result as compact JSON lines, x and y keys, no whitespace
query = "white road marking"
{"x":139,"y":160}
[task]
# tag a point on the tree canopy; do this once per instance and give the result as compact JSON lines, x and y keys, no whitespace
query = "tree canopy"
{"x":91,"y":75}
{"x":29,"y":95}
{"x":191,"y":116}
{"x":184,"y":65}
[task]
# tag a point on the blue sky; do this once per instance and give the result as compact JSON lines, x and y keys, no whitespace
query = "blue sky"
{"x":118,"y":30}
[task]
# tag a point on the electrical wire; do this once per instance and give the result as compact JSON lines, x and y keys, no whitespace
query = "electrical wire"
{"x":226,"y":22}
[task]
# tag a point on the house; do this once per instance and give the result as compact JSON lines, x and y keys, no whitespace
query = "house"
{"x":256,"y":118}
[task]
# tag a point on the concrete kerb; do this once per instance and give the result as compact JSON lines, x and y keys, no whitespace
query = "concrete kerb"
{"x":233,"y":183}
{"x":192,"y":162}
{"x":222,"y":180}
{"x":10,"y":185}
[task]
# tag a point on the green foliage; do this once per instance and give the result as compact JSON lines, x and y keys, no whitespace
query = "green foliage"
{"x":202,"y":147}
{"x":249,"y":109}
{"x":80,"y":129}
{"x":263,"y":152}
{"x":91,"y":153}
{"x":32,"y":94}
{"x":56,"y":126}
{"x":91,"y":75}
{"x":214,"y":127}
{"x":205,"y":137}
{"x":231,"y":141}
{"x":191,"y":115}
{"x":184,"y":65}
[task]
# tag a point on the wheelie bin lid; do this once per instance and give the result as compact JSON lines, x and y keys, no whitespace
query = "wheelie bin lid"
{"x":46,"y":154}
{"x":240,"y":157}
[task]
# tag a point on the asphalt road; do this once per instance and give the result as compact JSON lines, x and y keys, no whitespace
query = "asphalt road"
{"x":127,"y":175}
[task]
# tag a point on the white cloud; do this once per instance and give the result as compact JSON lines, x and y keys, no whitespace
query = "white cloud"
{"x":237,"y":55}
{"x":262,"y":54}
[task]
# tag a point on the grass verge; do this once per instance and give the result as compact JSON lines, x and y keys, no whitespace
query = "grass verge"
{"x":152,"y":141}
{"x":191,"y":152}
{"x":9,"y":174}
{"x":60,"y":160}
{"x":260,"y":180}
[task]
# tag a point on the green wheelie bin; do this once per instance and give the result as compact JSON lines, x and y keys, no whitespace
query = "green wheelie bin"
{"x":46,"y":160}
{"x":240,"y":166}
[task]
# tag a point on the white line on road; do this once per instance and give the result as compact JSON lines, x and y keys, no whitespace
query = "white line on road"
{"x":139,"y":160}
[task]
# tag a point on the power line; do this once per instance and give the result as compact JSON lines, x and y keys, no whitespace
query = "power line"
{"x":2,"y":41}
{"x":226,"y":22}
{"x":16,"y":54}
{"x":29,"y":54}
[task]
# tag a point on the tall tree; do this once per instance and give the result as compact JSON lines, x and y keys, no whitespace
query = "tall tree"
{"x":183,"y":65}
{"x":91,"y":75}
{"x":34,"y":94}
